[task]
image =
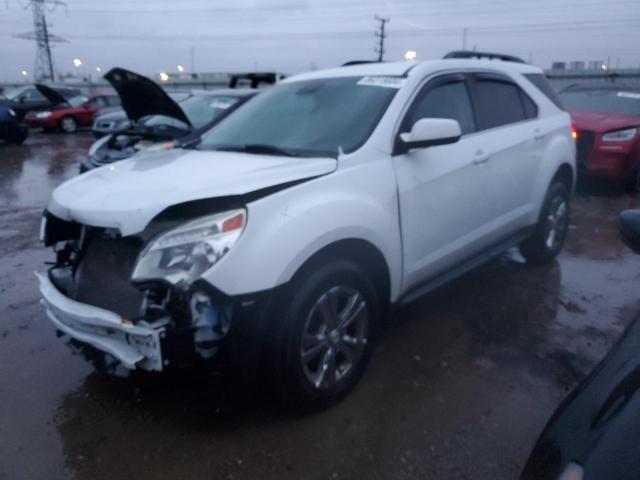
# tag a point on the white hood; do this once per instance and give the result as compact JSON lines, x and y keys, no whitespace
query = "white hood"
{"x":128,"y":194}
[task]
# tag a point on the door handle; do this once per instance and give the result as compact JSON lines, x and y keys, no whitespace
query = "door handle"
{"x":481,"y":157}
{"x":538,"y":134}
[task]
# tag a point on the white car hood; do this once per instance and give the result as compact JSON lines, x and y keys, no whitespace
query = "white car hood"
{"x":128,"y":194}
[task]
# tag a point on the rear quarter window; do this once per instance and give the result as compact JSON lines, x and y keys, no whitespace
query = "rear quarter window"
{"x":540,"y":81}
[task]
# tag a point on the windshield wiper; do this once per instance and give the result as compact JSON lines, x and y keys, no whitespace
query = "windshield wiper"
{"x":257,"y":148}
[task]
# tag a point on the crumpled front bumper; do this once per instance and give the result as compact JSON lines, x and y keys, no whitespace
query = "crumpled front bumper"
{"x":135,"y":346}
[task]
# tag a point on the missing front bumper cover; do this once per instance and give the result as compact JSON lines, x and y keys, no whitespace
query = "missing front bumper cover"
{"x":136,"y":346}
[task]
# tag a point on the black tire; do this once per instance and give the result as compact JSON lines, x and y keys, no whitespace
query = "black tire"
{"x":68,"y":124}
{"x":541,"y":247}
{"x":302,"y":313}
{"x":632,"y":184}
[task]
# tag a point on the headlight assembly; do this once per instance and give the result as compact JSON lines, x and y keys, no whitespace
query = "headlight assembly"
{"x":43,"y":114}
{"x":620,"y":135}
{"x":12,"y":113}
{"x":181,"y":255}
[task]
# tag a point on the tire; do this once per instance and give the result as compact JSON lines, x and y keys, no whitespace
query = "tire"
{"x":550,"y":232}
{"x":68,"y":124}
{"x":632,"y":184}
{"x":315,"y":373}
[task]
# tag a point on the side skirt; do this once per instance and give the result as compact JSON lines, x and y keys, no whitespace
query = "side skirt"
{"x":463,"y":268}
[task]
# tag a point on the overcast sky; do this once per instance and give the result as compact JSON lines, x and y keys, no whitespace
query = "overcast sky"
{"x":150,"y":36}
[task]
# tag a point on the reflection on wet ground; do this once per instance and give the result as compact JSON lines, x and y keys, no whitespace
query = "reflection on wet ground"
{"x":460,"y":386}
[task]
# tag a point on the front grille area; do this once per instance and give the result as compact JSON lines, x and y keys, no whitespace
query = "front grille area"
{"x":103,"y":273}
{"x":585,"y":146}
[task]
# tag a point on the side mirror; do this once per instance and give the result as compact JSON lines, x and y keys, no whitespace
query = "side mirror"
{"x":629,"y":226}
{"x":430,"y":132}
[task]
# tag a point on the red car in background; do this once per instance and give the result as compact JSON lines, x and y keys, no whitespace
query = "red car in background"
{"x":607,"y":123}
{"x":69,"y":114}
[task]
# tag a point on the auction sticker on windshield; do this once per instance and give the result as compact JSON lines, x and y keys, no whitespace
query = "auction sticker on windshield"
{"x":380,"y":81}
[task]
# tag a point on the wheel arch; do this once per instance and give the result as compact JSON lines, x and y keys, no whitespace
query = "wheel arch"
{"x":565,"y":175}
{"x":362,"y":252}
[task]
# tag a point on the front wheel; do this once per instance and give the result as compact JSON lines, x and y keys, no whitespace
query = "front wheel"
{"x":327,"y":335}
{"x":68,"y":124}
{"x":551,"y":230}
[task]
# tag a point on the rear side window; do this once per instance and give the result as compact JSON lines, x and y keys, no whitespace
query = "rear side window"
{"x":498,"y":103}
{"x":541,"y":83}
{"x":449,"y":100}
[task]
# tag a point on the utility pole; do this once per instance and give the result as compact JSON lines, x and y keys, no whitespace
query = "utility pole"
{"x":42,"y":36}
{"x":381,"y":35}
{"x":465,"y":31}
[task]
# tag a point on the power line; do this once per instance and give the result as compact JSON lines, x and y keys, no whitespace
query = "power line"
{"x":381,"y":34}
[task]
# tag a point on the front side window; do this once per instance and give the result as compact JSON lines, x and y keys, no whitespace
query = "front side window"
{"x":449,"y":100}
{"x":498,"y":103}
{"x":307,"y":118}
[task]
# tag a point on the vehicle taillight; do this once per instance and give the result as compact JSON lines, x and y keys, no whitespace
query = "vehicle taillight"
{"x":574,"y":132}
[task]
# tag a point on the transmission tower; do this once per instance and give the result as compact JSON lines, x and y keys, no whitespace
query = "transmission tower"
{"x":44,"y":38}
{"x":381,"y":35}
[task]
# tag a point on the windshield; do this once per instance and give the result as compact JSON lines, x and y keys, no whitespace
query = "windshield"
{"x":14,"y":93}
{"x":200,"y":110}
{"x":602,"y":101}
{"x":313,"y":117}
{"x":77,"y":101}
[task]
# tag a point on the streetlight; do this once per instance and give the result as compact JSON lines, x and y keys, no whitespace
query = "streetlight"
{"x":164,"y":76}
{"x":180,"y":68}
{"x":24,"y":73}
{"x":98,"y":69}
{"x":410,"y":55}
{"x":77,"y":62}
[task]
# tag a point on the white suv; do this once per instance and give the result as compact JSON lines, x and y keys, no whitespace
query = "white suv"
{"x":283,"y":239}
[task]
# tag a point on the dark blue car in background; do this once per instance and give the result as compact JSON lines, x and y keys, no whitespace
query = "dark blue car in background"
{"x":11,"y":130}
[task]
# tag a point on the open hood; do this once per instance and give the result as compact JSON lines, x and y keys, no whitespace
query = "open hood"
{"x":127,"y":195}
{"x":50,"y":94}
{"x":141,"y":96}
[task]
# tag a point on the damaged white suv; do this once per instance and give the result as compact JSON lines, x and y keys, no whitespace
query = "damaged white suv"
{"x":286,"y":235}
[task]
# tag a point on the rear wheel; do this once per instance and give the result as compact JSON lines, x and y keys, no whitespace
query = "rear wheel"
{"x":68,"y":124}
{"x":551,"y":230}
{"x":326,"y":336}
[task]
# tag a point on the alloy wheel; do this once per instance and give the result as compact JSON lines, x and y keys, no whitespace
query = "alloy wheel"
{"x":557,"y":223}
{"x":334,"y":337}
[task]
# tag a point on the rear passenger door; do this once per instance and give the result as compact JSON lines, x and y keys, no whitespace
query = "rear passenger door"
{"x":507,"y":122}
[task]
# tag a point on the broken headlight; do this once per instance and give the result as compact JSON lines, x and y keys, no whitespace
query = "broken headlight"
{"x":181,"y":255}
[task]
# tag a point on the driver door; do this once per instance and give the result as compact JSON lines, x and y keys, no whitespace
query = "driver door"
{"x":444,"y":191}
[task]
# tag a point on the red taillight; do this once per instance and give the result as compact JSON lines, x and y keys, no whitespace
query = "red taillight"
{"x":574,"y":132}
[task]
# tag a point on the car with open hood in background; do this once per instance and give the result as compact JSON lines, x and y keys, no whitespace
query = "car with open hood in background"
{"x":155,"y":120}
{"x":607,"y":122}
{"x":67,"y":114}
{"x":110,"y":121}
{"x":27,"y":98}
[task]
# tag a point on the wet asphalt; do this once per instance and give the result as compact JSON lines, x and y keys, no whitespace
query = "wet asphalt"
{"x":461,"y":385}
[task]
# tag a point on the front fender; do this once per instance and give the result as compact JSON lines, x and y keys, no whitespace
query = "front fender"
{"x":285,"y":229}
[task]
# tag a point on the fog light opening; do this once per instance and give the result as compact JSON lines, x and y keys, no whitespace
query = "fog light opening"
{"x":210,"y":323}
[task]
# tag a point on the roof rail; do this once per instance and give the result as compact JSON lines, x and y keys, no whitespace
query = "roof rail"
{"x":490,"y":56}
{"x":358,"y":62}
